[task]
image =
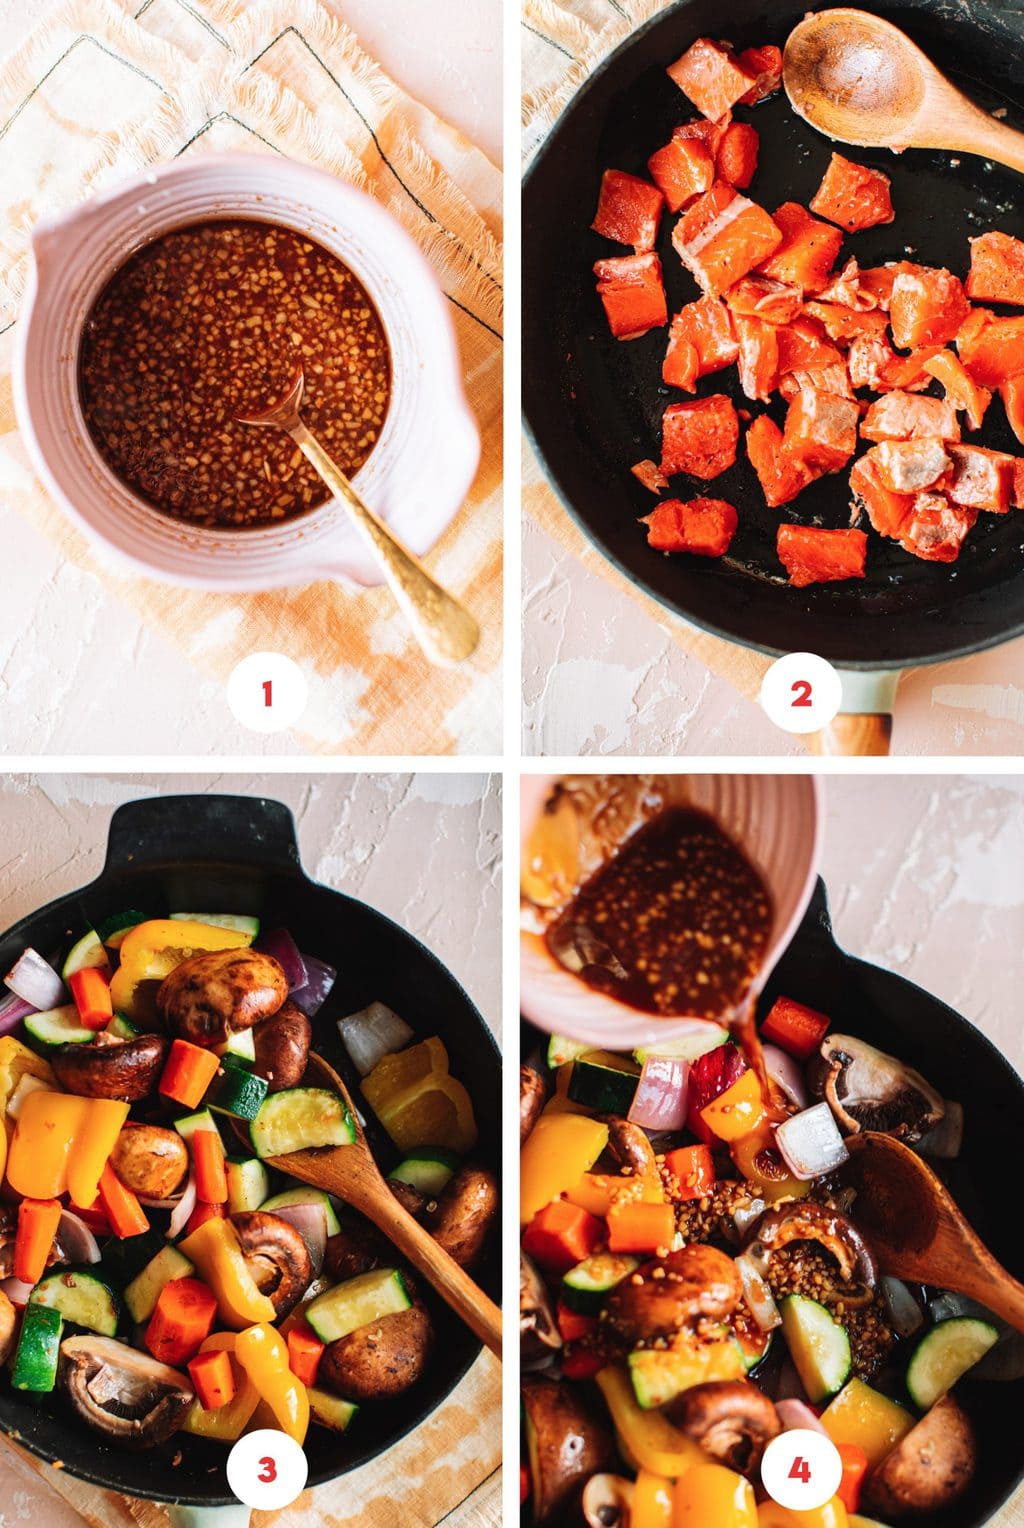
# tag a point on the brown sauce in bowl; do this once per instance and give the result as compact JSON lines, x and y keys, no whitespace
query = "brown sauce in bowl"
{"x":675,"y":923}
{"x":212,"y":321}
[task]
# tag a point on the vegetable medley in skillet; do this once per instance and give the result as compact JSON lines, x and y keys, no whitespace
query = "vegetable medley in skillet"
{"x":156,"y":1273}
{"x":693,"y":1282}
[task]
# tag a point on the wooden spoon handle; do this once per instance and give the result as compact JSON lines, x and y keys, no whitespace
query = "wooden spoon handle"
{"x":975,"y":132}
{"x":865,"y":735}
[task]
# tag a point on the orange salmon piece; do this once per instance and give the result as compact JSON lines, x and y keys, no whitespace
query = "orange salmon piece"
{"x":813,"y":556}
{"x":758,"y":359}
{"x":650,"y":475}
{"x":848,"y":290}
{"x":1012,"y":394}
{"x":842,"y":323}
{"x":701,"y":341}
{"x":682,"y":169}
{"x":781,"y":476}
{"x":633,"y":294}
{"x":960,"y":389}
{"x":803,"y":347}
{"x":827,"y":379}
{"x":736,"y":161}
{"x":763,"y":297}
{"x":808,"y":250}
{"x":712,"y":77}
{"x":765,"y":64}
{"x":821,"y":429}
{"x":699,"y":437}
{"x":722,"y":236}
{"x":911,"y":466}
{"x":927,"y":307}
{"x":902,"y":416}
{"x":935,"y":529}
{"x":886,"y":509}
{"x":703,"y":527}
{"x":995,"y":353}
{"x":980,"y":479}
{"x":628,"y":210}
{"x":853,"y":195}
{"x":997,"y":269}
{"x":868,"y":359}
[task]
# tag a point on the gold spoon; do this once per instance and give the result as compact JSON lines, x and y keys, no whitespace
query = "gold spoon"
{"x":351,"y":1174}
{"x":445,"y":630}
{"x":861,"y":80}
{"x":917,"y":1231}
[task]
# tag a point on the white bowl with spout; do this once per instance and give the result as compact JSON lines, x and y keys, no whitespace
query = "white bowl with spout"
{"x":417,"y":475}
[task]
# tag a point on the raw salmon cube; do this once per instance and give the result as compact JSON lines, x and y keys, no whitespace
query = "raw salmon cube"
{"x":712,"y":77}
{"x":701,"y":341}
{"x":737,"y":154}
{"x":808,"y":250}
{"x":927,"y":307}
{"x":699,"y":437}
{"x":997,"y":269}
{"x":903,"y":416}
{"x":911,"y":466}
{"x":758,"y":356}
{"x":935,"y":529}
{"x":628,"y":210}
{"x":813,"y":556}
{"x":722,"y":237}
{"x":765,"y":64}
{"x":704,"y":527}
{"x":821,"y":429}
{"x":845,"y":324}
{"x":877,"y":282}
{"x":886,"y":509}
{"x":868,"y":357}
{"x":961,"y":390}
{"x":827,"y":379}
{"x":995,"y":354}
{"x":683,"y":169}
{"x":907,"y":372}
{"x":980,"y":479}
{"x":973,"y":324}
{"x":849,"y":290}
{"x":650,"y":475}
{"x":762,"y":297}
{"x":633,"y":294}
{"x":1012,"y":394}
{"x":803,"y":347}
{"x":781,"y":476}
{"x":1017,"y":491}
{"x":853,"y":196}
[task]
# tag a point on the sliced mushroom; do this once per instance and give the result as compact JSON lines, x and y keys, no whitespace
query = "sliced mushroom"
{"x":539,"y":1336}
{"x":275,"y":1255}
{"x":211,"y":996}
{"x":532,"y":1093}
{"x":868,"y":1090}
{"x":731,"y":1420}
{"x":670,"y":1293}
{"x":567,"y":1441}
{"x":607,"y":1501}
{"x":805,"y":1220}
{"x":930,"y":1468}
{"x":127,"y":1069}
{"x":630,"y":1147}
{"x":462,"y":1218}
{"x":149,"y":1159}
{"x":128,"y":1397}
{"x":8,"y":1232}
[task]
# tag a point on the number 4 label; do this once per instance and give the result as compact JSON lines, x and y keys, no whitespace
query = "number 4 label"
{"x":801,"y":1470}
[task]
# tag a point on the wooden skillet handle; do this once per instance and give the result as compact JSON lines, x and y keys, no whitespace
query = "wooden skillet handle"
{"x":865,"y":735}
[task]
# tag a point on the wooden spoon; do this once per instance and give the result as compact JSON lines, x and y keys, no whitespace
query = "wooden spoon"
{"x":917,"y":1231}
{"x":861,"y":80}
{"x":351,"y":1173}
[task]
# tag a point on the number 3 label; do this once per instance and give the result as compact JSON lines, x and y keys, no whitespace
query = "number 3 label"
{"x":267,"y":1470}
{"x":801,"y":1470}
{"x":801,"y":692}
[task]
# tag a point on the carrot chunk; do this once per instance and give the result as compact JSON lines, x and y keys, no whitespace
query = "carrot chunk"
{"x":995,"y":353}
{"x":758,"y":359}
{"x":821,"y":429}
{"x":722,"y":236}
{"x":814,"y":556}
{"x":808,"y":251}
{"x":927,"y":307}
{"x":935,"y":529}
{"x":650,"y":475}
{"x":701,"y":341}
{"x":765,"y":64}
{"x":853,"y":196}
{"x":628,"y":210}
{"x":684,"y":167}
{"x":901,"y":416}
{"x":886,"y":509}
{"x":980,"y":479}
{"x":704,"y":527}
{"x":960,"y":389}
{"x":737,"y":154}
{"x":633,"y":294}
{"x":997,"y":268}
{"x":699,"y":437}
{"x":911,"y":466}
{"x":781,"y":476}
{"x":712,"y":77}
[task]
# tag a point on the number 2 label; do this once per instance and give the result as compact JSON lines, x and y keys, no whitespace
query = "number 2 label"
{"x":801,"y":690}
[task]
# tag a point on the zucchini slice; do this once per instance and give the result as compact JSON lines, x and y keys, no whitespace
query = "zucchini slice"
{"x":299,"y":1118}
{"x":330,"y":1410}
{"x":188,"y":1124}
{"x":562,"y":1050}
{"x":81,"y":1298}
{"x":240,"y":1046}
{"x":606,"y":1089}
{"x":236,"y":921}
{"x":237,"y":1091}
{"x":303,"y":1196}
{"x":355,"y":1303}
{"x":87,"y":951}
{"x":818,"y":1346}
{"x":35,"y":1361}
{"x":56,"y":1026}
{"x":122,"y":1028}
{"x":586,"y":1287}
{"x":689,"y":1048}
{"x":145,"y":1289}
{"x":112,"y":930}
{"x":944,"y":1355}
{"x":427,"y":1170}
{"x":248,"y":1184}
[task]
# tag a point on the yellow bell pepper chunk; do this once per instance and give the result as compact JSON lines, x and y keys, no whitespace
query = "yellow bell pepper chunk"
{"x":227,"y":1423}
{"x":598,"y":1192}
{"x":264,"y":1357}
{"x":47,"y":1127}
{"x":417,"y":1100}
{"x":152,"y":950}
{"x":737,"y":1111}
{"x":712,"y":1494}
{"x":649,"y":1439}
{"x":215,"y":1251}
{"x":17,"y":1061}
{"x":97,"y":1139}
{"x":831,"y":1515}
{"x":558,"y":1151}
{"x":867,"y":1418}
{"x":652,"y":1501}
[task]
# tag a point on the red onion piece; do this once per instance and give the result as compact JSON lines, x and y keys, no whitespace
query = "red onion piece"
{"x":793,"y":1414}
{"x":12,"y":1010}
{"x":184,"y":1207}
{"x":319,"y":981}
{"x":36,"y":982}
{"x":280,"y":946}
{"x":758,"y":1296}
{"x":904,"y":1312}
{"x":787,"y":1073}
{"x":947,"y":1137}
{"x":17,"y":1292}
{"x":810,"y":1143}
{"x":659,"y":1102}
{"x":310,"y":1220}
{"x":76,"y":1239}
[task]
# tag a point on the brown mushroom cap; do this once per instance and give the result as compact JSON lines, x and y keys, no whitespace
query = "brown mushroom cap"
{"x":123,"y":1069}
{"x":126,"y":1396}
{"x":382,"y":1359}
{"x":867,"y":1089}
{"x":668,"y":1294}
{"x":466,"y":1210}
{"x":282,"y":1047}
{"x":805,"y":1220}
{"x":930,"y":1468}
{"x":731,"y":1419}
{"x":275,"y":1255}
{"x":150,"y":1159}
{"x":211,"y":996}
{"x":568,"y":1440}
{"x":630,"y":1147}
{"x":532,"y":1093}
{"x":539,"y":1336}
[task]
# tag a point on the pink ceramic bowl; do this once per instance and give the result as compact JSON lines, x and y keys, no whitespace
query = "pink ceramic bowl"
{"x":776,"y":819}
{"x":417,"y":475}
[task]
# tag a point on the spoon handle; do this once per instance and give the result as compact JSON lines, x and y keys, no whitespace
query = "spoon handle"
{"x":444,"y":629}
{"x":964,"y":127}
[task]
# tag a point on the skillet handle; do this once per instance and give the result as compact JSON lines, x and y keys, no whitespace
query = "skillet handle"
{"x":209,"y":1517}
{"x":863,"y":727}
{"x":170,"y":829}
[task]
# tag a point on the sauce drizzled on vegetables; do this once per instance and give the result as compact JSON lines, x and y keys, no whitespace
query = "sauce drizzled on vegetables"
{"x":675,"y":923}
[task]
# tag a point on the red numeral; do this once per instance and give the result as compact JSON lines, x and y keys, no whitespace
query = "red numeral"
{"x":801,"y":689}
{"x":268,"y":692}
{"x":800,"y":1470}
{"x":268,"y":1470}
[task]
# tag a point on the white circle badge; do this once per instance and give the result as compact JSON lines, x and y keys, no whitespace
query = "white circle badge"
{"x":267,"y":692}
{"x":801,"y":692}
{"x":267,"y":1470}
{"x":801,"y":1469}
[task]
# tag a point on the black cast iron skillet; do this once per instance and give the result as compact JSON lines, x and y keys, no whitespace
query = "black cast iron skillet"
{"x":899,"y":1017}
{"x":594,"y":404}
{"x":239,"y":854}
